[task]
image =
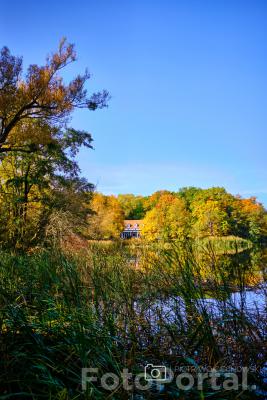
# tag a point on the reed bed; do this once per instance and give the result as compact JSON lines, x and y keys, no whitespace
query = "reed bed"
{"x":61,"y":313}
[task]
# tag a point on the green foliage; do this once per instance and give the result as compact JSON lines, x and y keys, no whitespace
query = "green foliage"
{"x":32,"y":185}
{"x":203,"y":213}
{"x":92,"y":311}
{"x":133,"y":206}
{"x":188,"y":194}
{"x":197,"y":213}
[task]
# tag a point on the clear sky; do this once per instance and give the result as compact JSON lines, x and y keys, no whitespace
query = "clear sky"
{"x":188,"y":80}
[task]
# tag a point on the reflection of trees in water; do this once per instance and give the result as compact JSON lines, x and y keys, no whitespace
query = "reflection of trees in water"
{"x":247,"y":268}
{"x":241,"y":270}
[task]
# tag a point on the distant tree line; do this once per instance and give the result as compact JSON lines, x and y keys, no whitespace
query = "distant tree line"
{"x":189,"y":212}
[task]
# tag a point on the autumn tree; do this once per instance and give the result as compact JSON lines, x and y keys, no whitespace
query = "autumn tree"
{"x":218,"y":213}
{"x":210,"y":219}
{"x":39,"y":171}
{"x":188,"y":194}
{"x":106,"y":222}
{"x":211,"y":211}
{"x":249,"y":219}
{"x":204,"y":212}
{"x":151,"y":201}
{"x":167,"y":220}
{"x":34,"y":184}
{"x":41,"y":95}
{"x":133,"y":206}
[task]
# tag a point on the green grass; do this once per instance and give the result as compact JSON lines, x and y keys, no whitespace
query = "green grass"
{"x":224,"y":244}
{"x":60,"y":313}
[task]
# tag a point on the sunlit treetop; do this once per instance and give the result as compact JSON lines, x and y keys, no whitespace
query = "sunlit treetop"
{"x":41,"y":93}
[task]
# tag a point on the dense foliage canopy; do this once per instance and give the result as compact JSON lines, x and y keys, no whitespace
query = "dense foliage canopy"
{"x":196,"y":213}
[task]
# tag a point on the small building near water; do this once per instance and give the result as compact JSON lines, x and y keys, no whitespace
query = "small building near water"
{"x":132,"y":228}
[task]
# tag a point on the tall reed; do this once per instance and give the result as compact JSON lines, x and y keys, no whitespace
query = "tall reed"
{"x":102,"y":309}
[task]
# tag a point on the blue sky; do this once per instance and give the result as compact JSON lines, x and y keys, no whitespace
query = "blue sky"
{"x":188,"y":84}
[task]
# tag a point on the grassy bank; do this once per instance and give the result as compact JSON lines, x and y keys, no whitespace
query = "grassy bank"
{"x":61,"y":313}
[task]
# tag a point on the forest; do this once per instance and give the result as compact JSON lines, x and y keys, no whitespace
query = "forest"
{"x":188,"y":213}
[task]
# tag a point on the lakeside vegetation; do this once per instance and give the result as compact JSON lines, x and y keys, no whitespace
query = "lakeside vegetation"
{"x":60,"y":313}
{"x":188,"y":213}
{"x":73,"y":295}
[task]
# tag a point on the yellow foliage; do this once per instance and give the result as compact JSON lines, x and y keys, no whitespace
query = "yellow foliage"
{"x":167,"y":220}
{"x":108,"y":217}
